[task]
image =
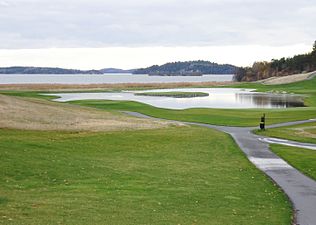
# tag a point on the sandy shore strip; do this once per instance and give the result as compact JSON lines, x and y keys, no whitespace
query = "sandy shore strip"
{"x":288,"y":79}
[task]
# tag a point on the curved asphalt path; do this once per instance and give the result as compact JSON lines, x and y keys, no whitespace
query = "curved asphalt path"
{"x":300,"y":189}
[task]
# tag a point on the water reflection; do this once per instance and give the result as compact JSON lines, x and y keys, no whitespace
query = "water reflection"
{"x":266,"y":100}
{"x":218,"y":98}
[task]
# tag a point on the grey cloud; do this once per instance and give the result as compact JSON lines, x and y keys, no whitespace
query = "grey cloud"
{"x":97,"y":23}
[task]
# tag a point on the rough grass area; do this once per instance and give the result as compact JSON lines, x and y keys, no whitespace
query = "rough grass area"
{"x":185,"y":175}
{"x":302,"y":159}
{"x":174,"y":94}
{"x":104,"y":87}
{"x":35,"y":114}
{"x":302,"y":133}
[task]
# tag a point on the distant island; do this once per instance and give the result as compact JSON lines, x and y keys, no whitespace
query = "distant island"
{"x":188,"y":68}
{"x":115,"y":70}
{"x":55,"y":70}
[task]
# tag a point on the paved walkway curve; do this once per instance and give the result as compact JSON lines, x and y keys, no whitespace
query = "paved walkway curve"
{"x":300,"y":189}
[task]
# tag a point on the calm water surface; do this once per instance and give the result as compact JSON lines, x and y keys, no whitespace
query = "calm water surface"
{"x":104,"y":78}
{"x":218,"y":98}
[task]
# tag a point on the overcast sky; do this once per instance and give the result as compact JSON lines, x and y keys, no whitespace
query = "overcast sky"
{"x":135,"y":33}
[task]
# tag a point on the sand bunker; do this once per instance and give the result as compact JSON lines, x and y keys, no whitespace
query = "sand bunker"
{"x":288,"y":79}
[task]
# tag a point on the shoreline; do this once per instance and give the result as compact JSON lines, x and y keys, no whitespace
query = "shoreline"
{"x":96,"y":87}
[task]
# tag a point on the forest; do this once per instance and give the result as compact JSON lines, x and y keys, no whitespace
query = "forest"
{"x":188,"y":68}
{"x":278,"y":67}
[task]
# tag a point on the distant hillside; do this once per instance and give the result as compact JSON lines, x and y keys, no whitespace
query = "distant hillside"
{"x":44,"y":70}
{"x":278,"y":67}
{"x":189,"y":68}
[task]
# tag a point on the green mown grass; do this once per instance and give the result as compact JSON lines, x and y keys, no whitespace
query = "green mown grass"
{"x":302,"y":159}
{"x":293,"y":132}
{"x":227,"y":117}
{"x":174,"y":94}
{"x":183,"y":175}
{"x":28,"y":94}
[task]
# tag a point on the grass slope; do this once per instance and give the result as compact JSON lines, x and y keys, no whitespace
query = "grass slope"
{"x":186,"y":175}
{"x":302,"y":159}
{"x":39,"y":114}
{"x":174,"y":94}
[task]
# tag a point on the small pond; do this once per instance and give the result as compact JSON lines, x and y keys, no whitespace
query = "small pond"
{"x":232,"y":98}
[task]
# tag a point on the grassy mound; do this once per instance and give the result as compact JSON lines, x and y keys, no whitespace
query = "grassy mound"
{"x":174,"y":94}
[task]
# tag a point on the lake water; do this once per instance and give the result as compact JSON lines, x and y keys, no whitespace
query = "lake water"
{"x":218,"y":98}
{"x":104,"y":78}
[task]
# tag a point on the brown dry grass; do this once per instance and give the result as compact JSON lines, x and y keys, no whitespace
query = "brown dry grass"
{"x":309,"y":132}
{"x":86,"y":87}
{"x":35,"y":114}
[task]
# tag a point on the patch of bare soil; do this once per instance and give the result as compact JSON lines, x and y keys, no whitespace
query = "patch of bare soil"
{"x":288,"y":79}
{"x":33,"y":114}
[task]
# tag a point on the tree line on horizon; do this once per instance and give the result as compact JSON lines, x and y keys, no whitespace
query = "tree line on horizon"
{"x":278,"y":67}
